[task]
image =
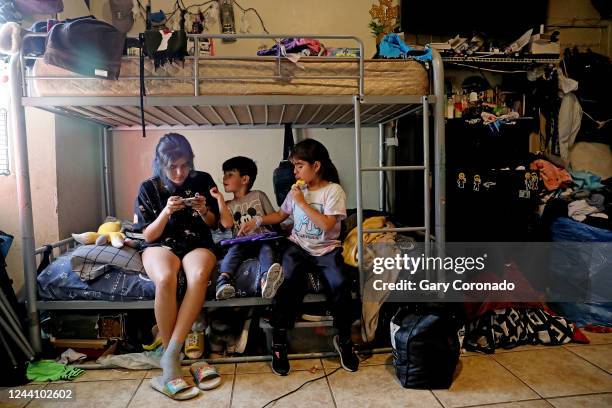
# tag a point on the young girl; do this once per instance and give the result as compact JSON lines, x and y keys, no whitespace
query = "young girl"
{"x":317,"y":212}
{"x":175,"y":211}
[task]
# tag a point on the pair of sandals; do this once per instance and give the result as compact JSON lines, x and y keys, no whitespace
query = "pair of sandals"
{"x":206,"y":378}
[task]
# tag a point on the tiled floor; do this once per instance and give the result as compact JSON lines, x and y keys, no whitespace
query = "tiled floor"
{"x":526,"y":377}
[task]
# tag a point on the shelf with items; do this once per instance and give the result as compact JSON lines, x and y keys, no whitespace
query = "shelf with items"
{"x":502,"y":59}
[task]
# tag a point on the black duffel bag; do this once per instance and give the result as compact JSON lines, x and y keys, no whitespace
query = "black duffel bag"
{"x":282,"y":177}
{"x":425,"y":346}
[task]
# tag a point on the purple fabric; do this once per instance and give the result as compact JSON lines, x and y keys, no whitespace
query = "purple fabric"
{"x":31,"y":7}
{"x":290,"y":44}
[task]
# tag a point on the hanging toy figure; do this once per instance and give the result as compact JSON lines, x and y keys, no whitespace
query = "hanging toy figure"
{"x":534,"y":181}
{"x":476,"y":182}
{"x":528,"y":181}
{"x":197,"y":26}
{"x":461,"y":180}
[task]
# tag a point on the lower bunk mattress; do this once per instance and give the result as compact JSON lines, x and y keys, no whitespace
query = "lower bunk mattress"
{"x":58,"y":282}
{"x":241,"y":77}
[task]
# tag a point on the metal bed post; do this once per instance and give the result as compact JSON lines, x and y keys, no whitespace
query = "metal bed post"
{"x":357,"y":99}
{"x":382,"y":194}
{"x":426,"y":177}
{"x":439,"y":154}
{"x":358,"y":171}
{"x":24,"y":199}
{"x":390,"y":156}
{"x":109,"y":199}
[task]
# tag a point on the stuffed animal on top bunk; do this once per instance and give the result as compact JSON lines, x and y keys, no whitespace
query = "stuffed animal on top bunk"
{"x":109,"y":232}
{"x":10,"y":38}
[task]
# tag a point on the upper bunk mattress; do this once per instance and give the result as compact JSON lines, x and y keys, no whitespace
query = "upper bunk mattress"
{"x":382,"y":78}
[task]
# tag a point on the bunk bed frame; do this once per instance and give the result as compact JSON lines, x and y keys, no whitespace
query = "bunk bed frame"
{"x":349,"y":111}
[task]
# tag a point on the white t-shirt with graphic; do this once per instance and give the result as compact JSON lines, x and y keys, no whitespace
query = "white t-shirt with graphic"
{"x":328,"y":200}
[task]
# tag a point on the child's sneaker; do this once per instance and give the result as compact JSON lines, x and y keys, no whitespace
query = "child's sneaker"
{"x":271,"y":281}
{"x":348,"y":358}
{"x":280,"y":361}
{"x":225,"y":289}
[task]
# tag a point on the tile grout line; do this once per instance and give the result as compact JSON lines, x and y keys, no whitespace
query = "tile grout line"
{"x":331,"y":392}
{"x":571,"y":345}
{"x":563,"y":396}
{"x":493,"y":404}
{"x":30,"y":401}
{"x":579,"y":395}
{"x":231,"y":401}
{"x":333,"y":370}
{"x":590,"y":362}
{"x":516,"y":376}
{"x":144,"y":377}
{"x":437,"y":399}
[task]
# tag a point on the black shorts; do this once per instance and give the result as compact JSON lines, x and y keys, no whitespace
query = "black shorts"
{"x":179,"y":250}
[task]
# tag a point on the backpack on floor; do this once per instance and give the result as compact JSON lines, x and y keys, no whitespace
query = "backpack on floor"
{"x":425,"y":346}
{"x":13,"y":362}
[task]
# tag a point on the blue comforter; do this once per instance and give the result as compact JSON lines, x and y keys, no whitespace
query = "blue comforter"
{"x":58,"y":282}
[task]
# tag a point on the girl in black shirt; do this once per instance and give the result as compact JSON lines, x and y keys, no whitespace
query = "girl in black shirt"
{"x":177,"y":234}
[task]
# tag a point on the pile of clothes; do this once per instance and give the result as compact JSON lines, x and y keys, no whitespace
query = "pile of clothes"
{"x":577,"y":194}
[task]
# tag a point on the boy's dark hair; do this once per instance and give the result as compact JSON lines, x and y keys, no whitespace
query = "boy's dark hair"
{"x":311,"y":151}
{"x":244,"y":166}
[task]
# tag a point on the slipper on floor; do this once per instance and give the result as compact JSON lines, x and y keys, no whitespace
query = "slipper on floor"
{"x":177,"y":389}
{"x":194,"y":345}
{"x":154,"y":345}
{"x":206,"y":376}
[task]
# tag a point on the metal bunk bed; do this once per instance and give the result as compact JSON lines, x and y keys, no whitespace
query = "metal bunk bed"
{"x":322,"y":111}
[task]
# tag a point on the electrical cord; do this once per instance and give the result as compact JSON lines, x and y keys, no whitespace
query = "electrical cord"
{"x":298,"y":388}
{"x":180,"y":5}
{"x":263,"y":26}
{"x":487,"y":69}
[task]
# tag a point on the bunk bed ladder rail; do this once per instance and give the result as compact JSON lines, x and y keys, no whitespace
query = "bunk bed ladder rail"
{"x":438,"y":174}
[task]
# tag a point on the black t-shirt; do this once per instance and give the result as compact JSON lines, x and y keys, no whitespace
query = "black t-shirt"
{"x":185,"y":229}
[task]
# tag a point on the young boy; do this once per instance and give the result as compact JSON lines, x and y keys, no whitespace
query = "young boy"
{"x":239,"y":174}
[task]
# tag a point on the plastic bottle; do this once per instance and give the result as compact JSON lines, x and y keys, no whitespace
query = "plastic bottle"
{"x":450,"y":108}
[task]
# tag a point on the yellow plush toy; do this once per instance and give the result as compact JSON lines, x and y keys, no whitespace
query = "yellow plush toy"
{"x":108,"y":232}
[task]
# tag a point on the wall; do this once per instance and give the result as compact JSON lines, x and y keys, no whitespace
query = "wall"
{"x":133,"y":155}
{"x":579,"y":13}
{"x":79,"y":176}
{"x":349,"y":17}
{"x":41,"y":150}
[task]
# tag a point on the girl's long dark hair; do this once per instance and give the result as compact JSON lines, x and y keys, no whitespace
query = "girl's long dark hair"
{"x":170,"y":148}
{"x":311,"y":151}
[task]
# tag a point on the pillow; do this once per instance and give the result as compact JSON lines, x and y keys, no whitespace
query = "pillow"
{"x":91,"y":261}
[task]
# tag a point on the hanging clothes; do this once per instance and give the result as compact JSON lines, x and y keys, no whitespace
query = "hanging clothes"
{"x":570,"y":118}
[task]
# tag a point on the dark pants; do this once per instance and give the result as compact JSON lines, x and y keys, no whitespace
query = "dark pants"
{"x":240,"y":252}
{"x":296,"y":263}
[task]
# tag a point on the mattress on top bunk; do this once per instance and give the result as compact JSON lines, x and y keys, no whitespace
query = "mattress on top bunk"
{"x":382,"y":78}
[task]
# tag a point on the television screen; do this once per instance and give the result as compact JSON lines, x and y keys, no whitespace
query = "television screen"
{"x":500,"y":21}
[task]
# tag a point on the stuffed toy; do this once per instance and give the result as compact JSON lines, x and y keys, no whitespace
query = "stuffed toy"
{"x":10,"y":38}
{"x":108,"y":232}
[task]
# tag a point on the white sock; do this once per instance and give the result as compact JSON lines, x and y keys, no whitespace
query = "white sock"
{"x":170,"y":364}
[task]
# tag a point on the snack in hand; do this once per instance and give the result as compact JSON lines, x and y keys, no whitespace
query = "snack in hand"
{"x":300,"y":184}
